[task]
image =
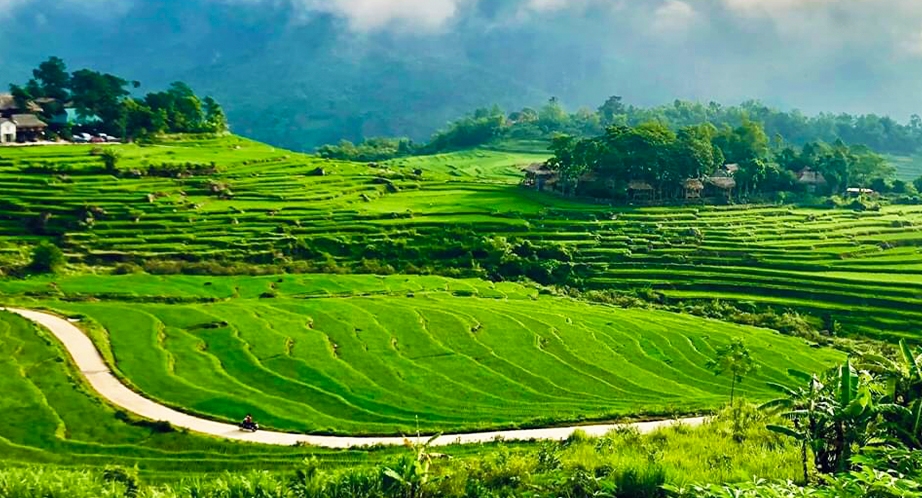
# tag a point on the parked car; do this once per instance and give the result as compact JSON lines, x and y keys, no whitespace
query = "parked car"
{"x":82,"y":138}
{"x":97,"y":140}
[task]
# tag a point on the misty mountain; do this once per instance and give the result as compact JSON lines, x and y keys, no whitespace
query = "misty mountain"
{"x":300,"y":73}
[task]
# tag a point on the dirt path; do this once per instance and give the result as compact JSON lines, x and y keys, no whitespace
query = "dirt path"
{"x":100,"y":377}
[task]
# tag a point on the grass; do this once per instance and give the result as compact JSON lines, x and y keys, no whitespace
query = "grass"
{"x":377,"y":355}
{"x":622,"y":460}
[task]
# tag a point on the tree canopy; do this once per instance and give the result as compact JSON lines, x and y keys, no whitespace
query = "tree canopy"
{"x":652,"y":154}
{"x":93,"y":94}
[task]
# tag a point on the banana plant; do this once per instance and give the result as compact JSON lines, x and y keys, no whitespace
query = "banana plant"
{"x":903,"y":377}
{"x":831,"y":416}
{"x":411,"y":474}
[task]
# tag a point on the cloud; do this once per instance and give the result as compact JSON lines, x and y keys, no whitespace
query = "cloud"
{"x":674,"y":16}
{"x":368,"y":15}
{"x":7,"y":7}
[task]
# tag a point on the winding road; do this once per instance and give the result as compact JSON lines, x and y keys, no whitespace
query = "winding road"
{"x":100,"y":377}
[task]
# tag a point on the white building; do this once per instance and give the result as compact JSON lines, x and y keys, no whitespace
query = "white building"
{"x":7,"y":131}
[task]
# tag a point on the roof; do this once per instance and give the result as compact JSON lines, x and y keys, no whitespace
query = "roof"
{"x":856,"y":190}
{"x":732,"y":168}
{"x":71,"y":116}
{"x":28,"y":121}
{"x":8,"y":103}
{"x":4,"y":120}
{"x":722,"y":182}
{"x":810,"y":177}
{"x":539,"y":169}
{"x":638,"y":185}
{"x":694,"y":184}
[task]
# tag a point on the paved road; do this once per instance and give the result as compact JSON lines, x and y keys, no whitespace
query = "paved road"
{"x":100,"y":377}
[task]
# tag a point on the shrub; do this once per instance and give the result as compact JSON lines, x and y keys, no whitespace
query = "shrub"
{"x":46,"y":258}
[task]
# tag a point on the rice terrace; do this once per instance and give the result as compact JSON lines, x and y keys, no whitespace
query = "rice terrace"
{"x":646,"y":308}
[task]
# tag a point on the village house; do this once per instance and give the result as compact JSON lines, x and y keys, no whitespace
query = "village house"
{"x":7,"y":131}
{"x":9,"y":107}
{"x":539,"y":176}
{"x":811,"y":179}
{"x":28,"y":127}
{"x":722,"y":183}
{"x":19,"y":123}
{"x":640,"y":191}
{"x":693,"y":188}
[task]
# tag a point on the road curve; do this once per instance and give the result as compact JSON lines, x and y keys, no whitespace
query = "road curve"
{"x":97,"y":373}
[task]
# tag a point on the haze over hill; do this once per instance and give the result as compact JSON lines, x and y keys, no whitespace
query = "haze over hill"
{"x":298,"y":73}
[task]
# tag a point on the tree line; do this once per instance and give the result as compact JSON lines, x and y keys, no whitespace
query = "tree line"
{"x":483,"y":126}
{"x":654,"y":155}
{"x":106,"y":104}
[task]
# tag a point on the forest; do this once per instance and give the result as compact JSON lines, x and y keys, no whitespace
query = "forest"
{"x":782,"y":128}
{"x":105,"y":103}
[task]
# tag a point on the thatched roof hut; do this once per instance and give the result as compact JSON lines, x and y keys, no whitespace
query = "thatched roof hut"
{"x":808,"y":176}
{"x":722,"y":182}
{"x":538,"y":169}
{"x":639,"y":186}
{"x":693,"y":184}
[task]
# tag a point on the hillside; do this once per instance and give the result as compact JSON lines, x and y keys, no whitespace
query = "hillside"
{"x":219,"y":276}
{"x":374,"y":356}
{"x":463,"y":215}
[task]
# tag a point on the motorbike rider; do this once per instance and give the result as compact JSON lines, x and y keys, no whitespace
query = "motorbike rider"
{"x":248,"y":421}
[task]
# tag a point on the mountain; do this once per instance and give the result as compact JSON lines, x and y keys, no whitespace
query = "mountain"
{"x":298,"y":73}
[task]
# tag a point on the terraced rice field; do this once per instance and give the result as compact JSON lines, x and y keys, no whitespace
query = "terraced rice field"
{"x":863,"y":270}
{"x":401,"y":353}
{"x":49,"y":417}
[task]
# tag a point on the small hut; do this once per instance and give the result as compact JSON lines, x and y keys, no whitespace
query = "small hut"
{"x":640,"y":191}
{"x":860,"y":192}
{"x":538,"y":175}
{"x":693,"y":188}
{"x":811,"y":179}
{"x":722,"y":185}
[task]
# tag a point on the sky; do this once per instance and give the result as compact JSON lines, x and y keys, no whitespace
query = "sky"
{"x":834,"y":55}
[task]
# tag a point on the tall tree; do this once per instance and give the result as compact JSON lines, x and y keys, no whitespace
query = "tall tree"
{"x":734,"y":360}
{"x":99,"y":94}
{"x":53,"y":79}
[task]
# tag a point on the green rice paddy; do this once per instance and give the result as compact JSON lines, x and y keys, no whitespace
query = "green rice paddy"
{"x":863,"y":270}
{"x":50,"y":417}
{"x":387,"y":355}
{"x":368,"y":354}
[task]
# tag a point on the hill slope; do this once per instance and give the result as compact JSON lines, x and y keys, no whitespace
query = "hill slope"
{"x":463,"y":215}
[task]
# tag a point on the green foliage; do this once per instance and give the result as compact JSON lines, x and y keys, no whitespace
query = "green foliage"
{"x":372,"y":149}
{"x":734,"y":360}
{"x":47,"y":258}
{"x":651,"y":153}
{"x":110,"y":158}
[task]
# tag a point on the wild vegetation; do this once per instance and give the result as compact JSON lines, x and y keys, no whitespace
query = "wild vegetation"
{"x":621,"y":464}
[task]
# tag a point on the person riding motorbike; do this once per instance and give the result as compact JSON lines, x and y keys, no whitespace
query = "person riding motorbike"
{"x":248,"y":423}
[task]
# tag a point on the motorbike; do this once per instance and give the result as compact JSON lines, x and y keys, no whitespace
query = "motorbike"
{"x":249,"y":426}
